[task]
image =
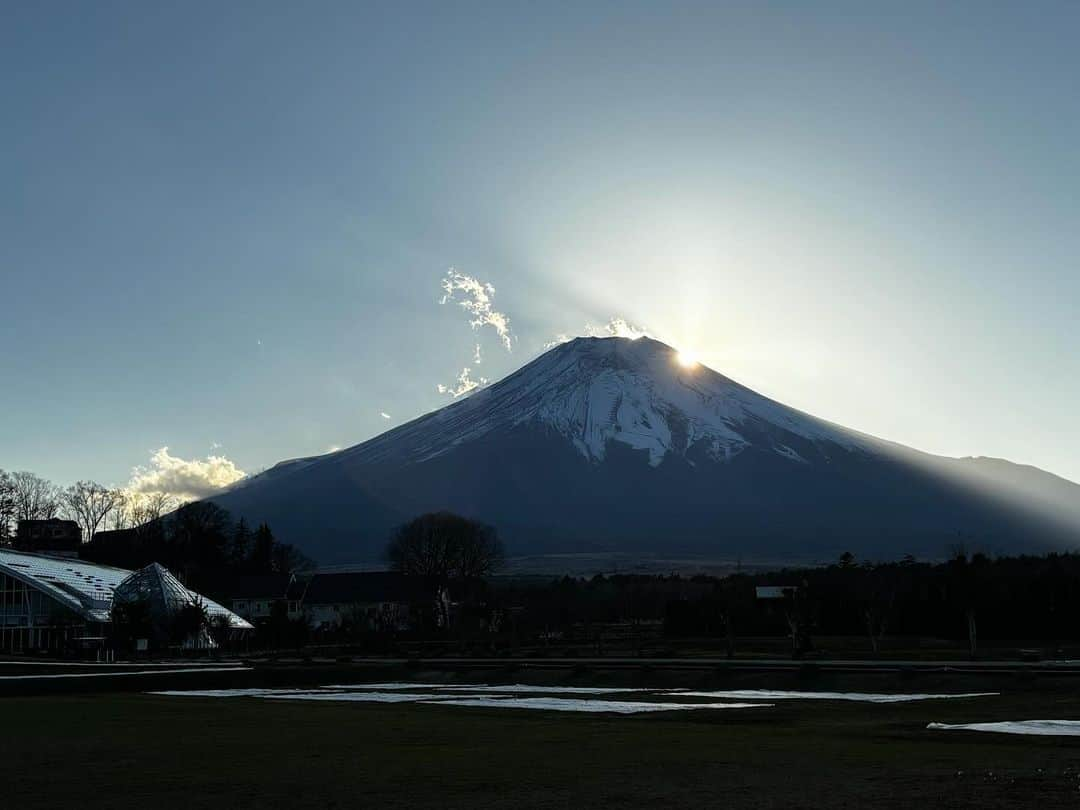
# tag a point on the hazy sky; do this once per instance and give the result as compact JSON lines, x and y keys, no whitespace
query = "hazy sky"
{"x":224,"y":226}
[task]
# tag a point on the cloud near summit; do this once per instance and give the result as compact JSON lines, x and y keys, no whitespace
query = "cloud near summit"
{"x":475,"y":297}
{"x":617,"y":327}
{"x":185,"y":479}
{"x":464,"y":384}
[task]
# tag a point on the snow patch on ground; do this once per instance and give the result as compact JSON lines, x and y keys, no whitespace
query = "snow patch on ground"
{"x":509,"y":688}
{"x":113,"y":674}
{"x":388,"y":687}
{"x":594,"y":706}
{"x":559,"y":698}
{"x":226,"y":693}
{"x":547,"y":690}
{"x":357,"y":697}
{"x":458,"y":695}
{"x":1040,"y":728}
{"x":860,"y":697}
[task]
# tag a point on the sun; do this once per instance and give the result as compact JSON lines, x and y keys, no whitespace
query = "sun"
{"x":686,"y":359}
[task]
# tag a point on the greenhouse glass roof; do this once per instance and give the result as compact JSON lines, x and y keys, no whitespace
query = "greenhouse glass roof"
{"x":167,"y":595}
{"x":88,"y":588}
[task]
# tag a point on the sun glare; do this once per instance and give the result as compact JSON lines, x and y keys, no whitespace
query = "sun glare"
{"x":686,"y":359}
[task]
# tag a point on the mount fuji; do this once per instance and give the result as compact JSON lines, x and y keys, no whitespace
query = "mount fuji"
{"x":613,"y":445}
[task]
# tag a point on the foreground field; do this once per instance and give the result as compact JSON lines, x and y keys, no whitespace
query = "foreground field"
{"x":137,"y":750}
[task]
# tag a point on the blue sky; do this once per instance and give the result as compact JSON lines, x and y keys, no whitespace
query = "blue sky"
{"x":227,"y":224}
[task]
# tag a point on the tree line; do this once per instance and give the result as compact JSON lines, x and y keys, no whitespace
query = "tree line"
{"x":970,"y":598}
{"x":201,"y":543}
{"x":95,"y":507}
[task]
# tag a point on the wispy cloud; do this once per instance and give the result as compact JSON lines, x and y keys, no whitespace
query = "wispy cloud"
{"x":477,"y":358}
{"x":464,"y":384}
{"x":184,"y":479}
{"x":617,"y":327}
{"x":558,"y":340}
{"x":384,"y":414}
{"x":475,"y":297}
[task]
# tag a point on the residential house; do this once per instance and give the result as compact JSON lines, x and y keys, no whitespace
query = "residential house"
{"x":53,"y":536}
{"x":374,"y":600}
{"x":256,"y":597}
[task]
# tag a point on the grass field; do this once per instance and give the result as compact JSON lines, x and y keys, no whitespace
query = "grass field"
{"x":129,"y":749}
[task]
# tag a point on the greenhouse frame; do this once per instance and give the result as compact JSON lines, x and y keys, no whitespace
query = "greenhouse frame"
{"x":52,"y":603}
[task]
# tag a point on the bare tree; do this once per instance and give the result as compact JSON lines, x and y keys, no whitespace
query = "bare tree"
{"x":152,"y":506}
{"x":441,"y":547}
{"x":480,"y":552}
{"x":7,"y":507}
{"x":136,"y":509}
{"x":35,"y":498}
{"x":89,"y":503}
{"x":799,"y":612}
{"x":445,"y":546}
{"x":876,"y":612}
{"x":120,"y":517}
{"x":736,"y":599}
{"x":967,"y":575}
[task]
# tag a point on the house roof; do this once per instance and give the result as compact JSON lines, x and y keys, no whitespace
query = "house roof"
{"x":257,"y":586}
{"x":774,"y":591}
{"x":364,"y":587}
{"x":53,"y":521}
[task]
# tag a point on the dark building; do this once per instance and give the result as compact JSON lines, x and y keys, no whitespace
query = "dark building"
{"x":256,"y":596}
{"x":54,"y":535}
{"x":382,"y":600}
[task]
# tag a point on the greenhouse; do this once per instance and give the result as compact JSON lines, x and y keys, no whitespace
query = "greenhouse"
{"x":170,"y":613}
{"x":57,"y":603}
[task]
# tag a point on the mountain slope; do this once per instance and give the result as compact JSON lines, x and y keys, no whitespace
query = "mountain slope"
{"x":612,"y":444}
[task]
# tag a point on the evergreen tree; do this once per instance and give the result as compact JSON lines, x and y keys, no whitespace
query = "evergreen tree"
{"x":261,"y":560}
{"x":241,"y":541}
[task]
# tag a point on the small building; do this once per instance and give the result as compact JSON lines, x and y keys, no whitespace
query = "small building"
{"x":52,"y":536}
{"x":374,"y":600}
{"x":257,"y":597}
{"x":775,"y":591}
{"x":50,"y":602}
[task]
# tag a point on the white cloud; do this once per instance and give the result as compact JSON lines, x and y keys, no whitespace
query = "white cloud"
{"x":617,"y":327}
{"x":560,"y":338}
{"x":476,"y":358}
{"x":476,"y":299}
{"x":384,"y":414}
{"x":185,"y":479}
{"x":465,"y":384}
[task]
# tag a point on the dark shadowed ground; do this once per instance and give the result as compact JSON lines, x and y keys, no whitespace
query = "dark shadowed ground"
{"x":128,"y":749}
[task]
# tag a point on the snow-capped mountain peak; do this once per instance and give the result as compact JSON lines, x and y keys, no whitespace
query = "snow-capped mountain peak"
{"x":611,"y":443}
{"x":596,"y":391}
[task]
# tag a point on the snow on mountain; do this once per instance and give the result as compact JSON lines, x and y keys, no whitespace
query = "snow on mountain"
{"x":595,"y":391}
